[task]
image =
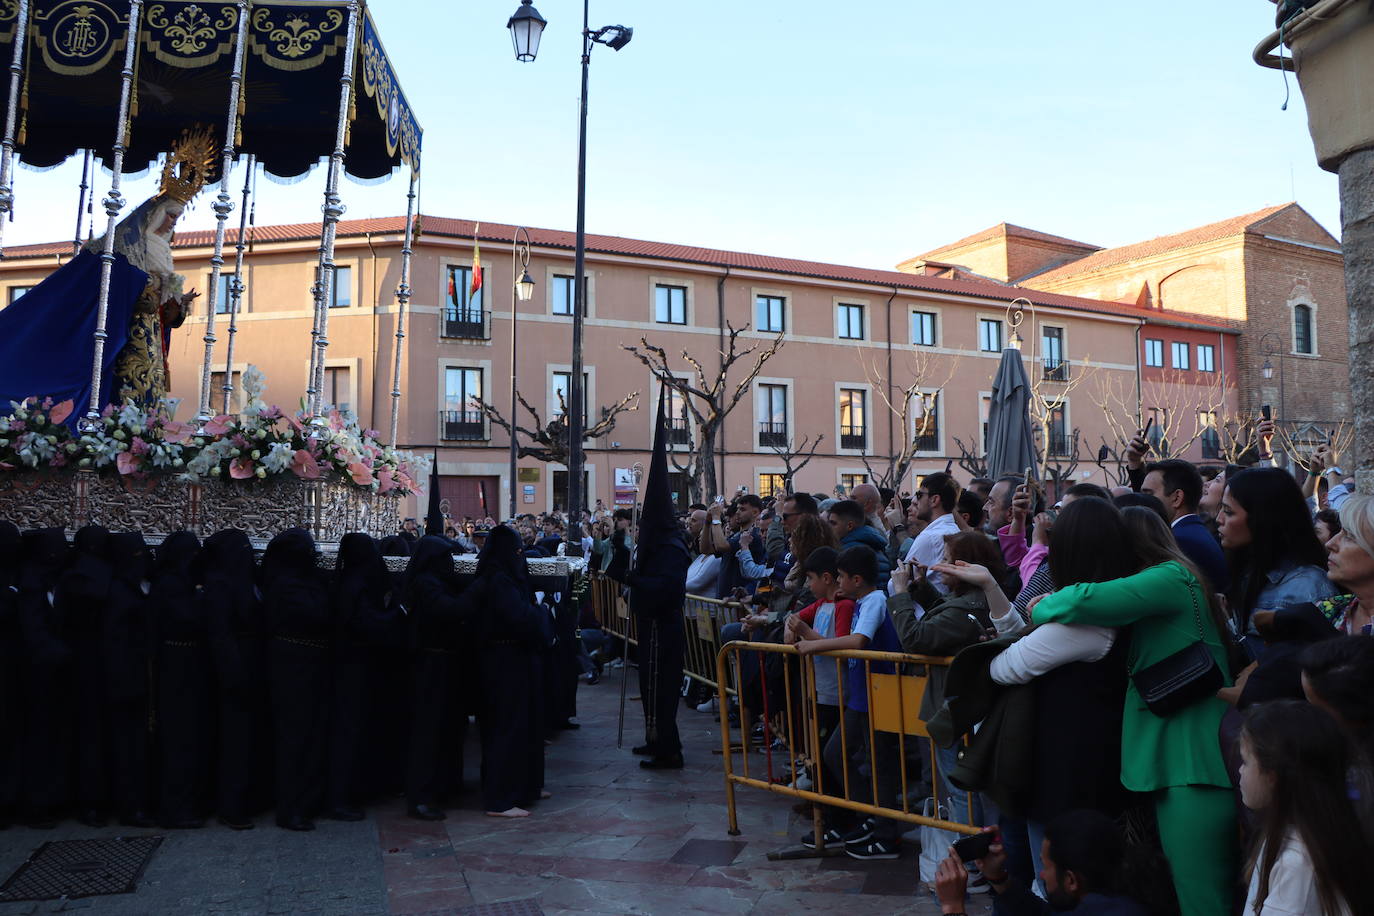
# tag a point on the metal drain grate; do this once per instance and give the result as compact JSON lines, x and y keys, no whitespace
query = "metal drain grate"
{"x":81,"y":868}
{"x":529,"y":906}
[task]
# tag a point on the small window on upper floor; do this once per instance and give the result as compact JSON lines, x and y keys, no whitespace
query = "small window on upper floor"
{"x":850,"y":322}
{"x":923,"y":329}
{"x":563,"y":288}
{"x":1154,"y":353}
{"x":1206,"y":358}
{"x":1178,"y":353}
{"x":670,"y":304}
{"x":989,"y":335}
{"x":1304,"y":341}
{"x":342,"y":290}
{"x":770,"y":312}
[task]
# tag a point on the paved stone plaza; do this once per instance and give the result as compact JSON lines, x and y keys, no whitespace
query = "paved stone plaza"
{"x":613,"y":839}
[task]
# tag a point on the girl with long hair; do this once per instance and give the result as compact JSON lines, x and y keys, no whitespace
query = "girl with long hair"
{"x":1311,"y":855}
{"x":1272,"y":551}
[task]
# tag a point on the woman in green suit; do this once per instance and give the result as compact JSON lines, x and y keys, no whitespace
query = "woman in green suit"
{"x":1176,"y":758}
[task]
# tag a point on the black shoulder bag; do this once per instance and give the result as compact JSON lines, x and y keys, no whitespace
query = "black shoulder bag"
{"x":1182,"y":679}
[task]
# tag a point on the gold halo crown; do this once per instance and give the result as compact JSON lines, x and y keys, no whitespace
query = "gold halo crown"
{"x":189,"y":165}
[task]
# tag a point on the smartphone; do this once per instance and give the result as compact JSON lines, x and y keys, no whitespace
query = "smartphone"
{"x":1266,"y":412}
{"x":949,"y":466}
{"x":720,"y":500}
{"x":972,"y":848}
{"x":1148,"y":426}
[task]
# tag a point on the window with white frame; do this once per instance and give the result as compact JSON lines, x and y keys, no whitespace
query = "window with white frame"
{"x":563,"y":291}
{"x":1206,"y":358}
{"x":341,"y":296}
{"x":849,"y":481}
{"x":1304,"y":340}
{"x":222,"y":293}
{"x":990,"y":335}
{"x":850,"y":321}
{"x":771,"y":485}
{"x":923,"y":329}
{"x":670,"y":304}
{"x":1154,"y":353}
{"x":770,"y":314}
{"x":925,"y":421}
{"x":853,"y":418}
{"x":463,"y":304}
{"x":1178,"y":354}
{"x":562,"y":392}
{"x":462,"y":413}
{"x":772,"y":412}
{"x":336,"y":385}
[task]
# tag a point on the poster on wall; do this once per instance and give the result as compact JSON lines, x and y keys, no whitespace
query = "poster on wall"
{"x":527,"y":492}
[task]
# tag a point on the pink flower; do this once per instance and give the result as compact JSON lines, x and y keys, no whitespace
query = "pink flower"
{"x":127,"y":462}
{"x":336,"y":421}
{"x":219,"y":425}
{"x":304,"y":466}
{"x":241,"y":468}
{"x":62,"y":411}
{"x":270,"y":413}
{"x":108,"y":411}
{"x":176,"y":432}
{"x":361,"y":474}
{"x":138,"y":447}
{"x":47,"y":402}
{"x":296,"y":423}
{"x":239,"y":441}
{"x":387,"y":481}
{"x":58,"y":461}
{"x":17,"y":426}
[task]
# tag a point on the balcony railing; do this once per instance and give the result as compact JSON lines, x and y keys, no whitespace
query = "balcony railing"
{"x":466,"y":324}
{"x":1056,"y":370}
{"x":463,"y":425}
{"x":1211,"y":447}
{"x":1060,"y":446}
{"x":679,"y":433}
{"x":853,"y":437}
{"x":772,"y":435}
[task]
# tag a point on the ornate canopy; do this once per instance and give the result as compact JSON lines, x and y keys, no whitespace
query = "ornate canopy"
{"x":184,"y":58}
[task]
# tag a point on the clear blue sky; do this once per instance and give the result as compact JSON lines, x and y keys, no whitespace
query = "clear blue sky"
{"x":857,"y":133}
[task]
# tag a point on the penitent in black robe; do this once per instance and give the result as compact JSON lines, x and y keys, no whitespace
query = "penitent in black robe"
{"x":127,"y":653}
{"x":80,"y":599}
{"x":11,"y":673}
{"x":515,"y":635}
{"x":364,"y":621}
{"x":45,"y":743}
{"x":238,"y":644}
{"x":184,"y":685}
{"x":439,"y":619}
{"x":297,"y":601}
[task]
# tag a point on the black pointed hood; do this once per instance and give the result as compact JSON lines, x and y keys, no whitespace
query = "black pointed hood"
{"x":292,"y":552}
{"x":504,"y":553}
{"x":658,"y":579}
{"x":432,"y":556}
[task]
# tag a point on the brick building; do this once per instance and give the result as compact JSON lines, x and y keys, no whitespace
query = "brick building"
{"x":854,"y":340}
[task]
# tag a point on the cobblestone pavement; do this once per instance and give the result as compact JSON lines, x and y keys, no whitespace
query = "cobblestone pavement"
{"x":613,"y":839}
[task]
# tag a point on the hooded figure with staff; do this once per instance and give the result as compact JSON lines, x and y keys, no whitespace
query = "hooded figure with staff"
{"x":658,"y":588}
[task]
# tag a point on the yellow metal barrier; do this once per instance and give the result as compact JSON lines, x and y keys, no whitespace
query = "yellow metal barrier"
{"x":894,"y":701}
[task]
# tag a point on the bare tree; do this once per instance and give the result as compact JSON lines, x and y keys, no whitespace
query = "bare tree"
{"x":796,"y":456}
{"x":1300,"y":440}
{"x":1061,"y":463}
{"x":1113,"y":465}
{"x":901,"y":398}
{"x":550,"y":441}
{"x":1182,"y":412}
{"x":969,"y":459}
{"x":1051,"y":385}
{"x":710,"y":396}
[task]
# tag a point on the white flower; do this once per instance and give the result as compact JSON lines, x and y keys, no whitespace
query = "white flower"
{"x":279,"y":457}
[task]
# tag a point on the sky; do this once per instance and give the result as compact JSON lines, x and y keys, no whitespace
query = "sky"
{"x":856,"y":134}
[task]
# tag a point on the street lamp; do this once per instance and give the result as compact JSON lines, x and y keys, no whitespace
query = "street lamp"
{"x":1269,"y":346}
{"x":521,"y":290}
{"x":526,"y":26}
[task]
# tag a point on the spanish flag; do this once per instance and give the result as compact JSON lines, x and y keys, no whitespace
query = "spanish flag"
{"x":476,"y":262}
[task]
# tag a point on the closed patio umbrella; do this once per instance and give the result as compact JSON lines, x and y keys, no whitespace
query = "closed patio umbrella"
{"x":1011,"y":447}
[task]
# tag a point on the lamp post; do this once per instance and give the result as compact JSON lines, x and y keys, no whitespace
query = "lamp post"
{"x":521,"y":290}
{"x":1269,"y":346}
{"x":526,"y":27}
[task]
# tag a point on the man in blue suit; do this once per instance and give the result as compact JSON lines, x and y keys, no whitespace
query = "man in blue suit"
{"x":1178,"y":485}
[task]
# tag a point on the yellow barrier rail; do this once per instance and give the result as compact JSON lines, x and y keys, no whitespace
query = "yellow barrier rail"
{"x":893,"y":722}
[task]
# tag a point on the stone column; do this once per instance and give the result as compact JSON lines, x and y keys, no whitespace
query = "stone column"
{"x":1357,"y":241}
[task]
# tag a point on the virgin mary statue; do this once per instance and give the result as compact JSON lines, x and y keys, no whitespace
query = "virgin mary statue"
{"x":47,"y":335}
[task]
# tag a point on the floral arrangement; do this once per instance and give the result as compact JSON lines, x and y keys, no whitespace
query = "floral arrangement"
{"x":260,"y":443}
{"x":32,"y":434}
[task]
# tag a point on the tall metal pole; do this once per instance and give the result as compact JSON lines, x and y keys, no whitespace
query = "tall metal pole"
{"x":223,"y":206}
{"x":113,"y":203}
{"x":21,"y":32}
{"x":333,"y":211}
{"x":575,"y":394}
{"x":403,"y":300}
{"x":519,"y":262}
{"x":236,"y":284}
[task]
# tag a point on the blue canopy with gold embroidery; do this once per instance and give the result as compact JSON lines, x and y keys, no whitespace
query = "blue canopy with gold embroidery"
{"x":293,"y":61}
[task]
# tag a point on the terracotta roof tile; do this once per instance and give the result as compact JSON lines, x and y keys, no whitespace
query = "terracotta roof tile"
{"x":1110,"y":257}
{"x":502,"y":233}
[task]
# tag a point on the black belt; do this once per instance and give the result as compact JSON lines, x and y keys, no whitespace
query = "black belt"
{"x":182,"y":643}
{"x":301,"y":641}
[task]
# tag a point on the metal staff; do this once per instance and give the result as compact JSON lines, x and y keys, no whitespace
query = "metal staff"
{"x":624,"y":677}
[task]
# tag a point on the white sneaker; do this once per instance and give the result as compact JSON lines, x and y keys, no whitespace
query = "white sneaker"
{"x":710,"y":705}
{"x":617,"y":663}
{"x":802,"y":782}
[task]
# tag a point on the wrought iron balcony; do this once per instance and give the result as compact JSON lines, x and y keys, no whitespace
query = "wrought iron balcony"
{"x":1211,"y":447}
{"x":1056,"y":370}
{"x":679,"y":433}
{"x":1060,"y":446}
{"x":463,"y":425}
{"x":855,"y":437}
{"x":466,"y":324}
{"x":772,"y":435}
